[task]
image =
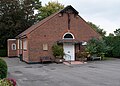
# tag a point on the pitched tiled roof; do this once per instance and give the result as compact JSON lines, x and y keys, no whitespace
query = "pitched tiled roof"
{"x":33,"y":27}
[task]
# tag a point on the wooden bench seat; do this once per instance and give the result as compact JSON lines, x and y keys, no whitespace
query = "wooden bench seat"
{"x":46,"y":59}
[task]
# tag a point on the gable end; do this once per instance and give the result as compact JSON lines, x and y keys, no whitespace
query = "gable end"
{"x":69,"y":9}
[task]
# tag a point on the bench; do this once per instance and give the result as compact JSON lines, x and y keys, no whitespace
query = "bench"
{"x":45,"y":59}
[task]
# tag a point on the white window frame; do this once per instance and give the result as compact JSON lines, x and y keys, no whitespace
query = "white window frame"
{"x":70,"y":34}
{"x":20,"y":44}
{"x":45,"y":47}
{"x":25,"y":44}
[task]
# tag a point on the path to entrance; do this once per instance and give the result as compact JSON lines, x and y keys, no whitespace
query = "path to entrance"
{"x":96,"y":73}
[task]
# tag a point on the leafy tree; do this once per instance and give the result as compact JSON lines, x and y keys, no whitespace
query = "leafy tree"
{"x":116,"y":46}
{"x":8,"y":9}
{"x":49,"y":9}
{"x":113,"y":42}
{"x":28,"y":7}
{"x":97,"y":28}
{"x":15,"y":17}
{"x":111,"y":34}
{"x":117,"y":32}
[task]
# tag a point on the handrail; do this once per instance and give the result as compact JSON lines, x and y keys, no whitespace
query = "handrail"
{"x":69,"y":56}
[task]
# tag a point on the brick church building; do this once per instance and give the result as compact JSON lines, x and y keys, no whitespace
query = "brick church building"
{"x":65,"y":27}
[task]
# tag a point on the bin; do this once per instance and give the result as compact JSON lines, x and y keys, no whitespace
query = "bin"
{"x":20,"y":56}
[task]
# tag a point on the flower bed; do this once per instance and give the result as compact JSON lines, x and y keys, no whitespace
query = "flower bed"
{"x":7,"y":82}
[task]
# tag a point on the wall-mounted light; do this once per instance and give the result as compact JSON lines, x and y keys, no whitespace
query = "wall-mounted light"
{"x":60,"y":14}
{"x":84,"y":43}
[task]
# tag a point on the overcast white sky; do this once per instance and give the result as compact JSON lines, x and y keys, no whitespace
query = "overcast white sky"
{"x":104,"y":13}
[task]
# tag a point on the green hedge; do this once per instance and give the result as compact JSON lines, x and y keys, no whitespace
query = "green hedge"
{"x":3,"y":52}
{"x":3,"y":69}
{"x":114,"y":42}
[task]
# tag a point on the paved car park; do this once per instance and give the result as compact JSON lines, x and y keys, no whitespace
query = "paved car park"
{"x":95,"y":73}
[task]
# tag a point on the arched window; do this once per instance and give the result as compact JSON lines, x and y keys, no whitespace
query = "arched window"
{"x":68,"y":36}
{"x":13,"y":46}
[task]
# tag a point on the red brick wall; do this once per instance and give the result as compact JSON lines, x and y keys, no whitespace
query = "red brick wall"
{"x":25,"y":51}
{"x":53,"y":30}
{"x":19,"y":51}
{"x":12,"y":52}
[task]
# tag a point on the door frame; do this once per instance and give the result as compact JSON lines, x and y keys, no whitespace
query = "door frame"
{"x":72,"y":58}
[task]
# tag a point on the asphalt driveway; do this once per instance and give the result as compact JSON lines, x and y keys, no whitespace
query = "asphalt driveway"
{"x":96,"y":73}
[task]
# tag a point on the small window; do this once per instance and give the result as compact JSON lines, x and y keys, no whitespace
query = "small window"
{"x":45,"y":46}
{"x":68,"y":36}
{"x":13,"y":46}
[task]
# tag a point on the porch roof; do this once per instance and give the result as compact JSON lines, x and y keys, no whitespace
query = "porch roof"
{"x":68,"y":41}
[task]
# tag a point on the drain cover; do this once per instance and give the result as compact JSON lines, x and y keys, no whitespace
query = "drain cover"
{"x":91,"y":66}
{"x":28,"y":67}
{"x":52,"y":68}
{"x":40,"y":66}
{"x":18,"y":72}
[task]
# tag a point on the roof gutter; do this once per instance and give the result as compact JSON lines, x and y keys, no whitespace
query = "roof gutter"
{"x":22,"y":37}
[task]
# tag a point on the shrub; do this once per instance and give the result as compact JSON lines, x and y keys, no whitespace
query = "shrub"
{"x":82,"y":56}
{"x":97,"y":46}
{"x":57,"y":50}
{"x":3,"y":52}
{"x":7,"y":82}
{"x":3,"y":69}
{"x":13,"y":82}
